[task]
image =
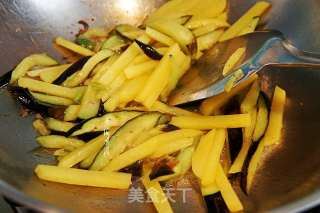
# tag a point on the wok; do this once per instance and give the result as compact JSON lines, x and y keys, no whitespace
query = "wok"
{"x":291,"y":178}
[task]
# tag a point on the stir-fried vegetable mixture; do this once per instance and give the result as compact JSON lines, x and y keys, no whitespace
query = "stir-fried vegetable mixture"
{"x":107,"y":111}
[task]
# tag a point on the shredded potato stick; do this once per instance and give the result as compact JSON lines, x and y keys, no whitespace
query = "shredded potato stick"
{"x":73,"y":47}
{"x":233,"y":60}
{"x":51,"y":89}
{"x":211,"y":122}
{"x":213,"y":159}
{"x":211,"y":105}
{"x":122,"y":62}
{"x":252,"y":26}
{"x":147,"y":148}
{"x":162,"y":38}
{"x":87,"y":68}
{"x":82,"y":177}
{"x":83,"y":152}
{"x":262,"y":120}
{"x":272,"y":135}
{"x":157,"y":195}
{"x":229,"y":195}
{"x":209,"y":189}
{"x":158,"y":79}
{"x":257,"y":10}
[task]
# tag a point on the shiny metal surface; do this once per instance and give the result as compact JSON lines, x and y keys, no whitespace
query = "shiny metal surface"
{"x":290,"y":181}
{"x":204,"y":79}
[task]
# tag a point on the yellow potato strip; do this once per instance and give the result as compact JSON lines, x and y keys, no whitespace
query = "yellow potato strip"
{"x":158,"y":79}
{"x":122,"y":62}
{"x":228,"y":194}
{"x":157,"y":195}
{"x":140,"y":69}
{"x":126,"y":93}
{"x":233,"y":60}
{"x":210,"y":105}
{"x":246,"y":143}
{"x":82,"y":177}
{"x":257,"y":10}
{"x":206,"y":41}
{"x":49,"y":99}
{"x":211,"y":122}
{"x":71,"y":113}
{"x":88,"y":67}
{"x":209,"y":189}
{"x":251,"y":98}
{"x":83,"y":152}
{"x":201,"y":154}
{"x":251,"y":27}
{"x":147,"y":148}
{"x":262,"y":120}
{"x":273,"y":132}
{"x":213,"y":159}
{"x":73,"y":47}
{"x":57,"y":141}
{"x":172,"y":146}
{"x":179,"y":33}
{"x":51,"y":89}
{"x":58,"y":125}
{"x":201,"y":22}
{"x":160,"y":37}
{"x":272,"y":135}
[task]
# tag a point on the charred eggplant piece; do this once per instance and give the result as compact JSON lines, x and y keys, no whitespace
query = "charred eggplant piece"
{"x":149,"y":51}
{"x":71,"y":70}
{"x":101,"y":110}
{"x":26,"y":99}
{"x":169,"y":128}
{"x":89,"y":136}
{"x":76,"y":127}
{"x":5,"y":79}
{"x":161,"y":168}
{"x":215,"y":203}
{"x":135,"y":169}
{"x":235,"y":142}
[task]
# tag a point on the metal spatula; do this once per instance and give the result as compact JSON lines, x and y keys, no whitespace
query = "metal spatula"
{"x":204,"y":79}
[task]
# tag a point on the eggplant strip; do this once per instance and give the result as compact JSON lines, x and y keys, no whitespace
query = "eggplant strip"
{"x":27,"y":100}
{"x":106,"y":122}
{"x":149,"y":50}
{"x":5,"y":79}
{"x":88,"y":66}
{"x":29,"y":62}
{"x":71,"y":70}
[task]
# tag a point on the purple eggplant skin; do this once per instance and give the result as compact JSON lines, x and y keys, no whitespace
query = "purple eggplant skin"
{"x":71,"y":70}
{"x":215,"y":203}
{"x":5,"y":79}
{"x":77,"y":127}
{"x":149,"y":51}
{"x":169,"y":128}
{"x":89,"y":136}
{"x":101,"y":110}
{"x":26,"y":99}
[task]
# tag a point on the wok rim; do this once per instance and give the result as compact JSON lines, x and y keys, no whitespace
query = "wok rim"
{"x":307,"y":202}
